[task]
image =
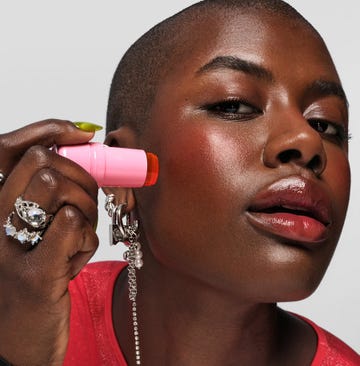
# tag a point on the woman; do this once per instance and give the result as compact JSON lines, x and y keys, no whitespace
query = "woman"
{"x":247,"y":210}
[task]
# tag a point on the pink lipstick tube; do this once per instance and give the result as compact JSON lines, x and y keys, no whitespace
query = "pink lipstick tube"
{"x":114,"y":166}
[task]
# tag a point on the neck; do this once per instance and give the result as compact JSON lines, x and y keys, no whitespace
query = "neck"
{"x":185,"y":322}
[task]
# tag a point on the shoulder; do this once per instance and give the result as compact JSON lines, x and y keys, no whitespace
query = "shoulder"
{"x":331,"y":350}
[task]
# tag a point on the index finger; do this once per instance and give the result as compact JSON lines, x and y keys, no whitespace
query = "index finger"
{"x":48,"y":133}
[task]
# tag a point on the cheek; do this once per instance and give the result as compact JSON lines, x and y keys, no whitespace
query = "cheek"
{"x":202,"y":174}
{"x":337,"y":174}
{"x":207,"y":166}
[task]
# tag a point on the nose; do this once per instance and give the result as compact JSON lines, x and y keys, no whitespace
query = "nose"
{"x":295,"y":143}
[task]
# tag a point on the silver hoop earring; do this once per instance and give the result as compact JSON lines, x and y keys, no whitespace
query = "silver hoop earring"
{"x":117,"y":232}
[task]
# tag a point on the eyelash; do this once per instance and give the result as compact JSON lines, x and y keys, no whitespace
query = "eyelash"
{"x":320,"y":125}
{"x":220,"y":109}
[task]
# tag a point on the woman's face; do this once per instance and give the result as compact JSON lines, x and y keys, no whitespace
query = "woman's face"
{"x":250,"y":127}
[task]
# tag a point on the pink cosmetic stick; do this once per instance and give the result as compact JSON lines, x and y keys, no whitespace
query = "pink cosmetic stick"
{"x":114,"y":166}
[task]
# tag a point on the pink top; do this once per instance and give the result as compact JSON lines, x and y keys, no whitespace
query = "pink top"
{"x":92,"y":336}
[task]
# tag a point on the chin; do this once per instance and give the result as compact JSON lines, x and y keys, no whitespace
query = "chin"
{"x":285,"y":286}
{"x":293,"y":273}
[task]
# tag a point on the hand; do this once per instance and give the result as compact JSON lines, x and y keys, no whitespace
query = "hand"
{"x":34,"y":299}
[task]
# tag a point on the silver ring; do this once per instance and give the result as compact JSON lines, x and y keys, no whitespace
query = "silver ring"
{"x":23,"y":236}
{"x":32,"y":213}
{"x":2,"y":177}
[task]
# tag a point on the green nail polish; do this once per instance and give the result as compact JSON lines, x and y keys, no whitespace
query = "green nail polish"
{"x":88,"y":126}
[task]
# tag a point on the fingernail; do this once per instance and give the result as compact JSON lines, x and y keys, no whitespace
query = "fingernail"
{"x":88,"y":126}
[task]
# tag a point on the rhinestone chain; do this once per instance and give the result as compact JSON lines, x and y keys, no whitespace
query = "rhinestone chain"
{"x":133,"y":257}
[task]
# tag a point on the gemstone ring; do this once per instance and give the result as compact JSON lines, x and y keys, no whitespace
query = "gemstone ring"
{"x":24,"y":235}
{"x":32,"y":214}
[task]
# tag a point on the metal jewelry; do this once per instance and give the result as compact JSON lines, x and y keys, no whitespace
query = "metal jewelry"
{"x":23,"y":236}
{"x":116,"y":229}
{"x":31,"y":213}
{"x":2,"y":177}
{"x":124,"y":229}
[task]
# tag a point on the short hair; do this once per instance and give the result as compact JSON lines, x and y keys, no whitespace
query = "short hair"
{"x":145,"y":63}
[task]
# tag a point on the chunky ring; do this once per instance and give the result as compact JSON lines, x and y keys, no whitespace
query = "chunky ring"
{"x":23,"y":236}
{"x":32,"y":214}
{"x":2,"y":177}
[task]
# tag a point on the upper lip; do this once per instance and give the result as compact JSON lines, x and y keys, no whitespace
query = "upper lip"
{"x":296,"y":195}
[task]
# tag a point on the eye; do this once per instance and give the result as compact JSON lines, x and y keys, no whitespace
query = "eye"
{"x":330,"y":129}
{"x":323,"y":127}
{"x":233,"y":109}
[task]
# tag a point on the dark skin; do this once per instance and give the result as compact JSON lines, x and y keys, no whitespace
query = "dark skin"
{"x":204,"y":260}
{"x":211,"y":277}
{"x":37,"y":280}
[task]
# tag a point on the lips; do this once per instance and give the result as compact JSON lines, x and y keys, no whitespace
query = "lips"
{"x":294,"y":209}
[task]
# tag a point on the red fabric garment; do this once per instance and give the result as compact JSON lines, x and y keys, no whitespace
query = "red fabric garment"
{"x":92,"y":337}
{"x":331,"y":351}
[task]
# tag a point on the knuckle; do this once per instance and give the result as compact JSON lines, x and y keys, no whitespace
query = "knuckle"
{"x":6,"y":142}
{"x":38,"y":155}
{"x":49,"y":178}
{"x":3,"y":142}
{"x":57,"y":127}
{"x":72,"y":217}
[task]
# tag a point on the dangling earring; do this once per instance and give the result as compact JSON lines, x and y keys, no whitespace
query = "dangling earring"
{"x":124,"y":229}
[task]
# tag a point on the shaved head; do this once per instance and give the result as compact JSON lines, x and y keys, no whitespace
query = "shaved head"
{"x":148,"y":60}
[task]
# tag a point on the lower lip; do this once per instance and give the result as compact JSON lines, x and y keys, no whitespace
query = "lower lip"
{"x":301,"y":229}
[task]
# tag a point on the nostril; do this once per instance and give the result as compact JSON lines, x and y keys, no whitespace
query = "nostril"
{"x":289,"y":155}
{"x":315,"y":164}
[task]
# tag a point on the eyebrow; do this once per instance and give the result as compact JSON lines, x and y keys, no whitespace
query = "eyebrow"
{"x":237,"y":64}
{"x":327,"y":88}
{"x":320,"y":87}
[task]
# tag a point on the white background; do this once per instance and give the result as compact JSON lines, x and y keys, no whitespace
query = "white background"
{"x":57,"y":59}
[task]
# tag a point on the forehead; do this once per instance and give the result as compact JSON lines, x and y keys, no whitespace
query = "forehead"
{"x":280,"y":44}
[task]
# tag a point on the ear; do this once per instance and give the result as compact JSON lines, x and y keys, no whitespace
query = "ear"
{"x":122,"y":137}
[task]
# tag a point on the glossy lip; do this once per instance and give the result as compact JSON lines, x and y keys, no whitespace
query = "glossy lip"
{"x":294,"y":208}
